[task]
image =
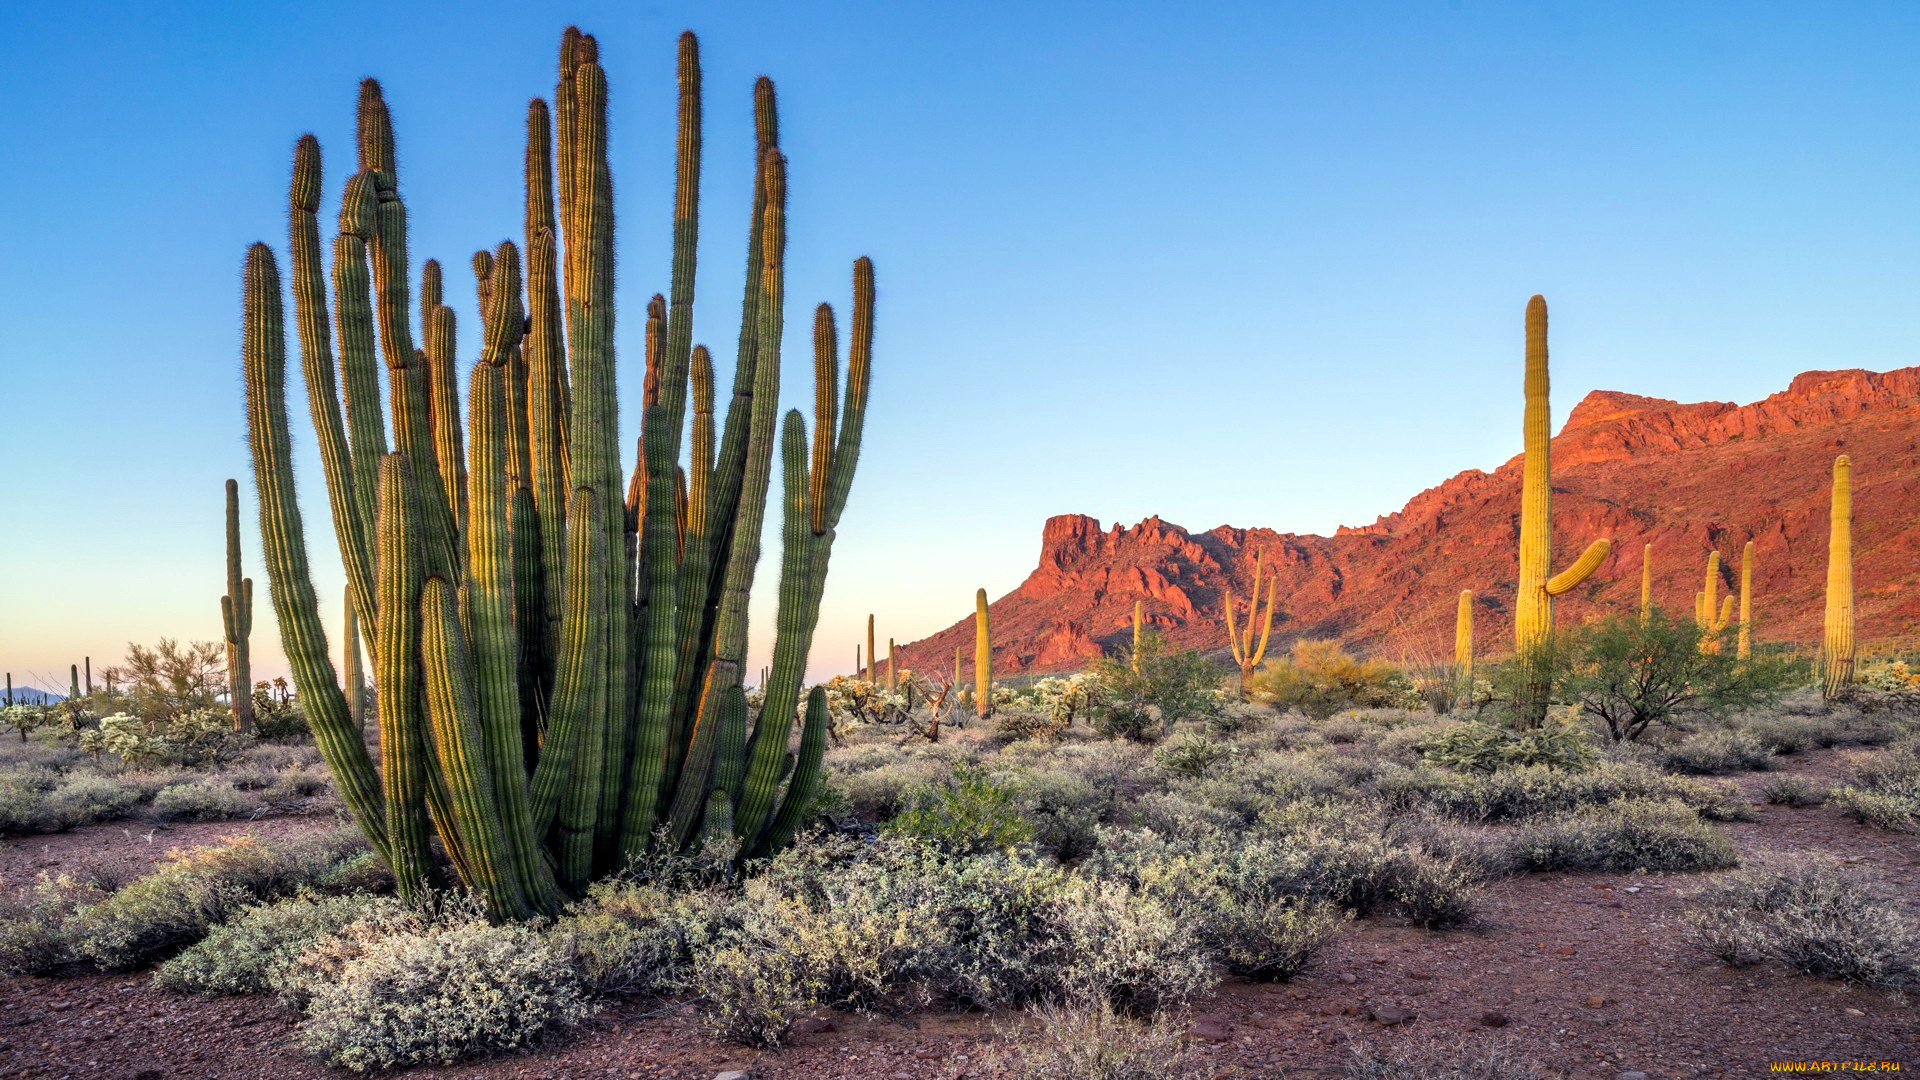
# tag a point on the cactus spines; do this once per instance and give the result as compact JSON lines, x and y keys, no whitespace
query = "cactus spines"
{"x":982,"y":658}
{"x":1646,"y":583}
{"x":1463,"y":644}
{"x":1837,"y":644}
{"x":1533,"y":604}
{"x":503,"y":577}
{"x":1133,"y":658}
{"x":1743,"y":649}
{"x":1247,"y":654}
{"x":236,"y":617}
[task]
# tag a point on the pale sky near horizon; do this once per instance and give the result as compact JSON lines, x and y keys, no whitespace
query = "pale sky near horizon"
{"x":1241,"y":263}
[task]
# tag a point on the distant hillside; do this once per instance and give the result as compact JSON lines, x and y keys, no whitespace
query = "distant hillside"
{"x":27,"y":695}
{"x":1688,"y":479}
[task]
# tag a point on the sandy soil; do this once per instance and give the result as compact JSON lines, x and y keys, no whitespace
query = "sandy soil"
{"x":1585,"y":974}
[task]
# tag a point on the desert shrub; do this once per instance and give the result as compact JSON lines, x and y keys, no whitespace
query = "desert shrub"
{"x":1191,"y":754}
{"x":1439,"y":1060}
{"x":1812,"y":914}
{"x":202,"y":800}
{"x":1015,"y":722}
{"x":33,"y":937}
{"x":1516,"y":794}
{"x":1440,"y":892}
{"x":882,"y":791}
{"x":751,"y":995}
{"x":1090,"y":1040}
{"x":440,"y":994}
{"x":1272,"y":941}
{"x":42,"y":801}
{"x":1630,"y":835}
{"x":1121,"y":945}
{"x":190,"y":737}
{"x":630,"y":939}
{"x":1883,"y":788}
{"x":1171,"y":814}
{"x":969,"y":814}
{"x":251,"y":952}
{"x":1635,"y":672}
{"x":1237,"y":718}
{"x":1790,"y":790}
{"x":1717,"y":753}
{"x":1139,"y":697}
{"x":1480,"y":746}
{"x":1319,"y":678}
{"x":195,"y":889}
{"x":1064,"y":808}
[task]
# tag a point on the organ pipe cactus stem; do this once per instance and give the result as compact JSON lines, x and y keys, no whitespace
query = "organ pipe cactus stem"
{"x":236,"y":617}
{"x":559,"y":666}
{"x":1533,"y":603}
{"x":982,"y":657}
{"x":355,"y":678}
{"x":1837,"y":643}
{"x":1247,"y":654}
{"x":1463,"y":645}
{"x":1743,"y":649}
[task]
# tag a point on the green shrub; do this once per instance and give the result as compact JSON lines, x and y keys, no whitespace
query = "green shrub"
{"x":441,"y":994}
{"x":1090,"y":1040}
{"x":1140,"y":697}
{"x":1812,"y":914}
{"x":1790,"y":790}
{"x":1516,"y":794}
{"x":632,"y":939}
{"x":1271,"y":941}
{"x":1064,"y":808}
{"x":751,"y":995}
{"x":252,"y":952}
{"x":203,"y":800}
{"x":1885,"y":788}
{"x":969,"y":814}
{"x":1191,"y":755}
{"x":1319,"y":679}
{"x":1439,"y":893}
{"x":1625,"y":836}
{"x":33,"y":937}
{"x":1634,"y":671}
{"x":195,"y":889}
{"x":1717,"y":753}
{"x":1128,"y":948}
{"x":43,"y":801}
{"x":880,"y":791}
{"x":1479,"y":746}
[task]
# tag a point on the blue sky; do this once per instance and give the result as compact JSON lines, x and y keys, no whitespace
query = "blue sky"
{"x":1258,"y":264}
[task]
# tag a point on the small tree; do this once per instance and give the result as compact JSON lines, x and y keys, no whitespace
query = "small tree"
{"x":171,"y":679}
{"x":1634,"y":673}
{"x":1140,"y":695}
{"x":1319,"y":678}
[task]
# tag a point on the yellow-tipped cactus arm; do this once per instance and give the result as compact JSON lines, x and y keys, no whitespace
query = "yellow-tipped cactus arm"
{"x":1266,"y":629}
{"x":1726,"y":614}
{"x":1582,"y":568}
{"x":1233,"y":635}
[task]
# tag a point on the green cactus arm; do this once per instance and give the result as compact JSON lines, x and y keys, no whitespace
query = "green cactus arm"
{"x":571,"y":732}
{"x":352,"y":529}
{"x":826,"y":394}
{"x":1266,"y":628}
{"x":547,"y":425}
{"x":1233,"y":633}
{"x":444,"y":409}
{"x":458,"y":749}
{"x":853,"y":415}
{"x":359,"y":362}
{"x":804,"y":785}
{"x":433,"y":293}
{"x":403,"y":741}
{"x":283,"y":543}
{"x":1582,"y":568}
{"x":982,"y":658}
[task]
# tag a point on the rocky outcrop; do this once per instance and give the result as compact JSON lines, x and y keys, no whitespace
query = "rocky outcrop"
{"x":1686,"y":478}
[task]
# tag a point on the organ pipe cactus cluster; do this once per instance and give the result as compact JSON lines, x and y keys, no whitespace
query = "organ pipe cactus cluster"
{"x":1533,"y":605}
{"x":1247,"y":650}
{"x":559,"y":649}
{"x":236,"y":619}
{"x":982,"y":657}
{"x":1836,"y":649}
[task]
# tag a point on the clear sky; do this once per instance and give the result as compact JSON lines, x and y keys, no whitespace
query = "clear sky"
{"x":1257,"y":264}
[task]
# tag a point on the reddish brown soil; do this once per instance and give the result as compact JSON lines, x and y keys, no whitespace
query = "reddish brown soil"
{"x":1687,"y":479}
{"x":1588,"y":979}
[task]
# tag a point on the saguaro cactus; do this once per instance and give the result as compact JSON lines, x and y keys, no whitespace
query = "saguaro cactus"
{"x":1710,"y":610}
{"x":872,"y":657}
{"x":560,"y":653}
{"x":1133,"y":658}
{"x":1744,"y":648}
{"x":893,"y":677}
{"x":1533,"y":604}
{"x":1246,"y":652}
{"x":1646,"y":583}
{"x":1837,"y":645}
{"x":1463,"y":645}
{"x":236,"y":617}
{"x":982,"y":657}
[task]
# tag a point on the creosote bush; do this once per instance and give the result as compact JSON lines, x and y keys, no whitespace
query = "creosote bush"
{"x":1625,"y":836}
{"x":252,"y":952}
{"x":1812,"y":914}
{"x":1088,"y":1039}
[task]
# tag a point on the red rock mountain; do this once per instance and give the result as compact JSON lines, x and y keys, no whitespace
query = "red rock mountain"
{"x":1688,"y":479}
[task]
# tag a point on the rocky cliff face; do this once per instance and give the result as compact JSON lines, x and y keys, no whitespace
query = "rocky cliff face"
{"x":1687,"y":479}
